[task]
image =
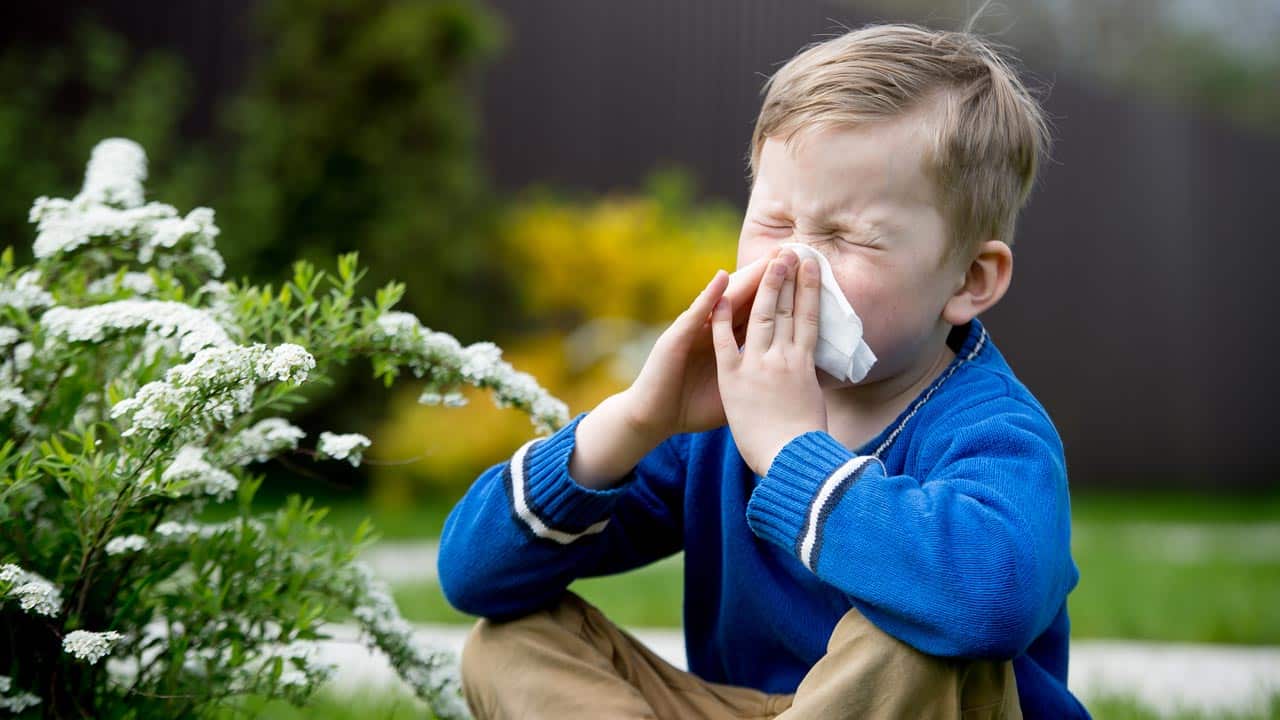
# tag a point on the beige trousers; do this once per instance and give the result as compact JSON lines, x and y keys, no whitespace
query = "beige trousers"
{"x":570,"y":661}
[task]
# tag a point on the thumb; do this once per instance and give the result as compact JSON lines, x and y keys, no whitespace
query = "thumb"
{"x":696,"y":314}
{"x":726,"y":345}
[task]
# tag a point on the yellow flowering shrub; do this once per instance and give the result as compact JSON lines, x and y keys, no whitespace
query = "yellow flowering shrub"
{"x":635,"y":259}
{"x":642,"y":257}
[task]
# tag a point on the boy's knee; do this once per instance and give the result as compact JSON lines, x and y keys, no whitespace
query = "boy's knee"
{"x":491,"y":644}
{"x":479,"y":645}
{"x":862,"y":651}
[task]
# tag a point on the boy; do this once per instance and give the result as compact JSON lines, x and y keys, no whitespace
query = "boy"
{"x":894,"y":547}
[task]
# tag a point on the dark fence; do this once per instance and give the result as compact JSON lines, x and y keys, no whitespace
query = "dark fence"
{"x":1144,"y":263}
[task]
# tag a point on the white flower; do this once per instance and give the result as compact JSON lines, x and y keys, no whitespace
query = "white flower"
{"x":22,"y":354}
{"x":26,"y":293}
{"x":173,"y":531}
{"x":17,"y":702}
{"x":117,"y":167}
{"x":480,"y":361}
{"x":453,"y":399}
{"x":432,"y":674}
{"x":479,"y":364}
{"x":192,"y":328}
{"x":34,"y":593}
{"x":9,"y":336}
{"x":216,"y":385}
{"x":90,"y":646}
{"x":12,"y":397}
{"x":109,"y":206}
{"x":259,"y":443}
{"x":125,"y":544}
{"x":138,"y":283}
{"x":402,"y":331}
{"x":287,"y":363}
{"x":189,"y":466}
{"x":154,"y":407}
{"x":349,"y":446}
{"x":301,"y":668}
{"x":64,"y":225}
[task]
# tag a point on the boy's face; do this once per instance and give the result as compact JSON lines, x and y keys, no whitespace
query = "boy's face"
{"x":859,"y":196}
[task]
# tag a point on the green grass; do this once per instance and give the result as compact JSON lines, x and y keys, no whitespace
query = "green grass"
{"x":1122,"y":707}
{"x":419,"y":521}
{"x":647,"y":597}
{"x":1177,"y":567}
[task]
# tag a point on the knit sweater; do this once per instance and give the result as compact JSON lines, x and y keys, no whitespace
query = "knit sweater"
{"x":950,"y":530}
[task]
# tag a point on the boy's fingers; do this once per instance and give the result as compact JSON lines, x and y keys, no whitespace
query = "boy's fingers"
{"x":783,"y":325}
{"x":722,"y":339}
{"x":744,"y":282}
{"x":760,"y":327}
{"x":808,"y":304}
{"x":700,"y":309}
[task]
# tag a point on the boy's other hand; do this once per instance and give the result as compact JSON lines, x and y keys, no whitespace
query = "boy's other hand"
{"x":677,"y":390}
{"x":770,"y":388}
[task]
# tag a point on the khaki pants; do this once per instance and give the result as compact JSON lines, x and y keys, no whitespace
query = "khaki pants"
{"x":570,"y":661}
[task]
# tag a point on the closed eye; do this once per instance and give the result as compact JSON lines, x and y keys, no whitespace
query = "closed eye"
{"x":835,"y":238}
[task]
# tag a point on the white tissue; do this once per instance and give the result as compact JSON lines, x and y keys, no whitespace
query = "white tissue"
{"x":841,"y":351}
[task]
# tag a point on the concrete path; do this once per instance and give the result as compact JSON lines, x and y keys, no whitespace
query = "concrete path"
{"x":1165,"y":676}
{"x":403,"y":561}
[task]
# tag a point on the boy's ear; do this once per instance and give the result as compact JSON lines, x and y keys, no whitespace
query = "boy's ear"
{"x":985,"y":281}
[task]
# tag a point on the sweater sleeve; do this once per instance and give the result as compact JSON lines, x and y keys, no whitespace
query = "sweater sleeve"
{"x":970,"y":560}
{"x":525,"y":528}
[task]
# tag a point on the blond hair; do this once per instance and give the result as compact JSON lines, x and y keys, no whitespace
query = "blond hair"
{"x":986,"y":133}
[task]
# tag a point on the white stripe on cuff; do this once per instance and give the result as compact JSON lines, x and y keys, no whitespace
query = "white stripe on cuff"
{"x":526,"y":514}
{"x":824,"y":494}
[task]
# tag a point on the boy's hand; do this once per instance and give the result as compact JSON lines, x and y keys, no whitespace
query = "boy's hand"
{"x":676,"y":390}
{"x":770,"y":389}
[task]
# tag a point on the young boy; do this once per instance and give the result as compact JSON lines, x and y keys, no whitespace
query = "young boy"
{"x":896,"y":547}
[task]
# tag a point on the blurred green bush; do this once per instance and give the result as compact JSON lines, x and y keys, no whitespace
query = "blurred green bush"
{"x":354,"y":129}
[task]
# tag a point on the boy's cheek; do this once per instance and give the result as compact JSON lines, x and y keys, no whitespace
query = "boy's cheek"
{"x":752,"y":247}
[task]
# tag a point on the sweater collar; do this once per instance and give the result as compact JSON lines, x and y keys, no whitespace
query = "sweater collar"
{"x":975,"y":341}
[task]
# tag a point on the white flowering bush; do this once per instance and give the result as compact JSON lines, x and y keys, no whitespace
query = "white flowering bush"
{"x":135,"y":389}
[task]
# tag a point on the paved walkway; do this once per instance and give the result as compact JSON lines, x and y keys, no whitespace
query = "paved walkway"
{"x":403,"y":561}
{"x":1165,"y":676}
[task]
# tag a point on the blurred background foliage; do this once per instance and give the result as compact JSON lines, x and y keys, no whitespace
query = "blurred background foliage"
{"x":1221,"y":59}
{"x":357,"y":131}
{"x":60,"y":100}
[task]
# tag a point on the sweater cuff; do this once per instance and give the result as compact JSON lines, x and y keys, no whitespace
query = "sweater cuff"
{"x":808,"y":477}
{"x":546,"y":499}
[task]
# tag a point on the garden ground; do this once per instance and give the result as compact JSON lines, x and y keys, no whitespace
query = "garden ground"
{"x":1178,"y":603}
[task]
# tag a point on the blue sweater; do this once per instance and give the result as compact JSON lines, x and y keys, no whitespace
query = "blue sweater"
{"x":950,"y":530}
